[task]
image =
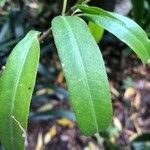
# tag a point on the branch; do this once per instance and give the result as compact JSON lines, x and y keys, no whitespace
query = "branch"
{"x":64,"y":7}
{"x":44,"y":35}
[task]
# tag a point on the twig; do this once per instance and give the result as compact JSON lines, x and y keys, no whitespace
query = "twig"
{"x":64,"y":7}
{"x":83,"y":3}
{"x":76,"y":11}
{"x":99,"y":139}
{"x":87,"y":1}
{"x":44,"y":35}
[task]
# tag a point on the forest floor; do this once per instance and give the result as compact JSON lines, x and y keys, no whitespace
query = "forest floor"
{"x":52,"y":124}
{"x":130,"y":87}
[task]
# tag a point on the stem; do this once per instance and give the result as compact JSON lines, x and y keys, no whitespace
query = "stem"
{"x":64,"y":7}
{"x":76,"y":11}
{"x":99,"y":139}
{"x":87,"y":1}
{"x":79,"y":15}
{"x":44,"y":35}
{"x":84,"y":3}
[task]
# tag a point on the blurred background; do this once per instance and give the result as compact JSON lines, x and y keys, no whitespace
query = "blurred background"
{"x":52,"y":124}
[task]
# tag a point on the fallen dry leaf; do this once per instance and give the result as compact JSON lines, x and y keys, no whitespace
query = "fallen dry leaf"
{"x":65,"y":122}
{"x":129,"y":93}
{"x":39,"y":145}
{"x":50,"y":134}
{"x":137,"y":101}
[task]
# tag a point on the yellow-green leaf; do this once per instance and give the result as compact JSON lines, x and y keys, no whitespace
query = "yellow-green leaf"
{"x":138,"y":10}
{"x":96,"y":30}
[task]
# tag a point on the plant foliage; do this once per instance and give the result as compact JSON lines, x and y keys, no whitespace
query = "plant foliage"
{"x":82,"y":63}
{"x":16,"y":87}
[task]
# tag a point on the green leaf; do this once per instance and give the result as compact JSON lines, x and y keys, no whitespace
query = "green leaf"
{"x":122,"y":27}
{"x":16,"y":87}
{"x":83,"y":1}
{"x":96,"y":30}
{"x":80,"y":1}
{"x":85,"y":73}
{"x":138,"y":10}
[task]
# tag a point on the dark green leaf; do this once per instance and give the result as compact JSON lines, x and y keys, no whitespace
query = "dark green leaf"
{"x":82,"y":1}
{"x":85,"y":73}
{"x":138,"y":10}
{"x":123,"y":28}
{"x":4,"y":31}
{"x":16,"y":87}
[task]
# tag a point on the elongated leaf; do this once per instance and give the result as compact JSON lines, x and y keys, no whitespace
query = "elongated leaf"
{"x":96,"y":31}
{"x":80,"y":1}
{"x":123,"y":28}
{"x":138,"y":10}
{"x":85,"y":73}
{"x":16,"y":87}
{"x":83,"y":1}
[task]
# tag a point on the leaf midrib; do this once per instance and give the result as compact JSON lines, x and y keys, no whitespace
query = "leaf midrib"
{"x":16,"y":85}
{"x":83,"y":70}
{"x":132,"y":33}
{"x":112,"y":16}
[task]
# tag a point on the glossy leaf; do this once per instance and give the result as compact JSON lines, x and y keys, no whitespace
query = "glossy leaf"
{"x":122,"y":27}
{"x":85,"y":73}
{"x":96,"y":31}
{"x":16,"y":87}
